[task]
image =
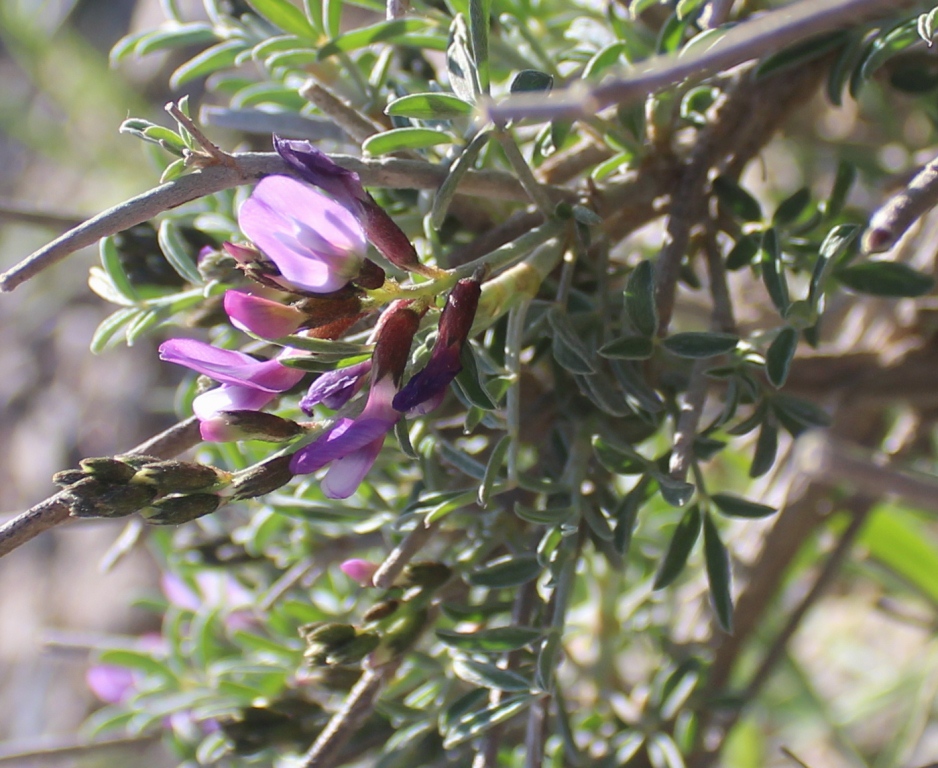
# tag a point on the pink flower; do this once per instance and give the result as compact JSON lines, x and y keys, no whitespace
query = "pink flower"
{"x":247,"y":384}
{"x":316,"y":243}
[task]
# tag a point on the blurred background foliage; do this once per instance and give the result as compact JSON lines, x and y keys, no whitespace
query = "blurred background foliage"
{"x":833,"y":654}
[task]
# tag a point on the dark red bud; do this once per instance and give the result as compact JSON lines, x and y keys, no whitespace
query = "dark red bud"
{"x":393,"y":336}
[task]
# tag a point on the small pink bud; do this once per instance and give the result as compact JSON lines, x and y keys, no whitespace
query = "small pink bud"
{"x":358,"y":570}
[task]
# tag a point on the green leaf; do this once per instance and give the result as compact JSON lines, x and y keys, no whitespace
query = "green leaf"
{"x":626,"y":514}
{"x":887,"y":46}
{"x":796,"y":414}
{"x":905,"y":544}
{"x":109,"y":328}
{"x":469,"y":381}
{"x":283,"y":14}
{"x":549,"y":516}
{"x":885,"y":278}
{"x":679,"y":549}
{"x":676,"y":492}
{"x":779,"y":356}
{"x":402,"y":433}
{"x":773,"y":272}
{"x":766,"y":448}
{"x":174,"y":170}
{"x":141,"y":324}
{"x":429,"y":106}
{"x":462,"y":163}
{"x":736,"y":506}
{"x":628,"y":348}
{"x":604,"y":58}
{"x":137,"y":660}
{"x":802,"y":52}
{"x":208,"y":61}
{"x":687,"y":8}
{"x":382,"y":32}
{"x":332,"y":17}
{"x":568,"y":347}
{"x":479,"y":11}
{"x":404,"y":138}
{"x":742,"y":253}
{"x":698,"y":345}
{"x":507,"y":571}
{"x":176,"y":36}
{"x":176,"y":251}
{"x":603,"y":393}
{"x":493,"y":470}
{"x":487,"y":675}
{"x":640,"y":299}
{"x":719,"y":575}
{"x":736,"y":199}
{"x":531,"y":80}
{"x":617,"y":458}
{"x":633,"y":383}
{"x":791,"y":207}
{"x":843,"y":181}
{"x":460,"y":66}
{"x":498,"y":640}
{"x":472,"y":726}
{"x":832,"y":252}
{"x":111,"y":261}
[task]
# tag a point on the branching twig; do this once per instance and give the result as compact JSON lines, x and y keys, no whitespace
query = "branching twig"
{"x":53,"y":511}
{"x":749,"y":40}
{"x":212,"y":154}
{"x":523,"y":171}
{"x":348,"y":719}
{"x":349,"y":120}
{"x":682,"y":453}
{"x":26,"y":213}
{"x":902,"y":210}
{"x":401,"y":555}
{"x":249,"y":167}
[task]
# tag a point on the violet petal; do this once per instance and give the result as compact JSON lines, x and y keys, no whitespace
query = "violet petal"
{"x":335,"y":388}
{"x":228,"y":366}
{"x":346,"y":474}
{"x":316,"y":243}
{"x":263,"y":317}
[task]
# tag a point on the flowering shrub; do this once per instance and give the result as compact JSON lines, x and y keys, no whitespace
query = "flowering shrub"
{"x":496,"y":334}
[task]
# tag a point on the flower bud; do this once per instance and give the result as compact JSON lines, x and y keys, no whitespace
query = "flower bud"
{"x":175,"y":510}
{"x":268,"y":476}
{"x":359,"y":570}
{"x":108,"y":470}
{"x":68,"y":477}
{"x":93,"y":498}
{"x":394,"y":335}
{"x":424,"y":574}
{"x":354,"y":650}
{"x":370,"y":277}
{"x":226,"y":426}
{"x":381,"y":610}
{"x":180,"y":476}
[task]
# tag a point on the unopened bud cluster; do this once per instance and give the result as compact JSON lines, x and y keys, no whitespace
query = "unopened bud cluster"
{"x":389,"y":628}
{"x":164,"y":492}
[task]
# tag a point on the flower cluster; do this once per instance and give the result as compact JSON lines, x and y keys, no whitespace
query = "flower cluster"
{"x":309,"y":241}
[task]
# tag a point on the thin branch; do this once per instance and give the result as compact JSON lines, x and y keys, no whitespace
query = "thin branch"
{"x":861,"y":507}
{"x":343,"y":725}
{"x":902,"y":210}
{"x":752,"y":39}
{"x":17,"y":211}
{"x":54,"y":511}
{"x":682,"y":453}
{"x":248,"y":167}
{"x":349,"y":120}
{"x":835,"y":463}
{"x":212,"y":153}
{"x":716,"y":13}
{"x":401,"y":555}
{"x":55,"y":750}
{"x":523,"y":171}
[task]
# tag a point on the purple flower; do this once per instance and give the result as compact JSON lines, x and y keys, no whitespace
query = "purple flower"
{"x":316,"y":243}
{"x":335,"y":388}
{"x":426,"y":388}
{"x":352,"y":445}
{"x":318,"y":169}
{"x":247,"y":384}
{"x":263,"y":317}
